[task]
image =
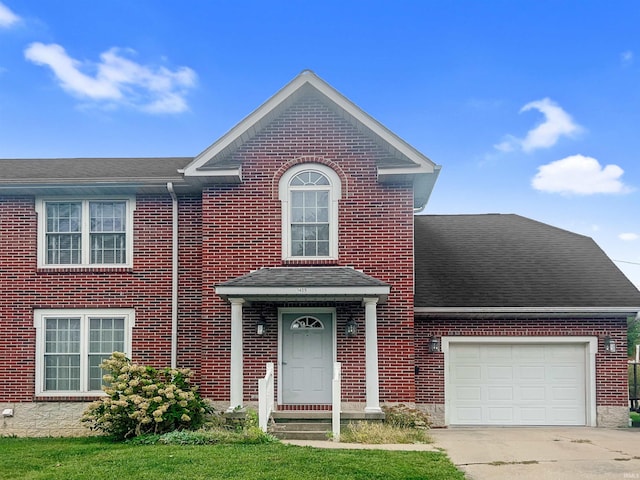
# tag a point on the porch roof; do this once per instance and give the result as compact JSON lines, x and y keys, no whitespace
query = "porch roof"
{"x":305,"y":284}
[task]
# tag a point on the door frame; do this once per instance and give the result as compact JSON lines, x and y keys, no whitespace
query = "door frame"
{"x":590,"y":349}
{"x":309,"y":311}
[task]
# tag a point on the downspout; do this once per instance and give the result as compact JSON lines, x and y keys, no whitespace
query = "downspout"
{"x":174,"y":277}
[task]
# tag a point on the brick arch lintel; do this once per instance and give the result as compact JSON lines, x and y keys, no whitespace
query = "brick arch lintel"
{"x":309,"y":159}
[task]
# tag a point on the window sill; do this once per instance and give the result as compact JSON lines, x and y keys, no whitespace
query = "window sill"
{"x":84,"y":269}
{"x":310,"y":261}
{"x":87,"y":397}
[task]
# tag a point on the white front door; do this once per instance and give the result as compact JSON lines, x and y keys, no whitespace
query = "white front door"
{"x":306,"y":357}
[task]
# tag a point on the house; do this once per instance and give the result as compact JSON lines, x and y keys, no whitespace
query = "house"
{"x":294,"y":240}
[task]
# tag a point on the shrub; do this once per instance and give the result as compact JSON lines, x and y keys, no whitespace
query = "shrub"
{"x":142,"y":400}
{"x":403,"y":416}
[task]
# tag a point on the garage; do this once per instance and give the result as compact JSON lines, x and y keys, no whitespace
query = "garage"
{"x":502,"y":382}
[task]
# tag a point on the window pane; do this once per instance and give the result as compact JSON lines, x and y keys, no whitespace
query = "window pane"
{"x":62,"y":354}
{"x":63,"y":249}
{"x":106,"y":335}
{"x":107,"y":216}
{"x":108,"y":248}
{"x":62,"y":372}
{"x":63,"y":217}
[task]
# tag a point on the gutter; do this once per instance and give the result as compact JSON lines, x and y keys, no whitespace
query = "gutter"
{"x":174,"y":276}
{"x":526,"y":311}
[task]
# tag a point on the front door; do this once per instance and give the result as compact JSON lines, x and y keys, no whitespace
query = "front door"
{"x":307,"y":357}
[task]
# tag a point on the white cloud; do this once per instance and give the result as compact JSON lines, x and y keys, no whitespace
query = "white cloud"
{"x":7,"y":17}
{"x":626,"y":58}
{"x":579,"y":175}
{"x":557,"y":123}
{"x":629,"y":237}
{"x":116,"y":79}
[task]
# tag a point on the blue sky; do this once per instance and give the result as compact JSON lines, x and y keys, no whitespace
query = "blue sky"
{"x":531,"y":107}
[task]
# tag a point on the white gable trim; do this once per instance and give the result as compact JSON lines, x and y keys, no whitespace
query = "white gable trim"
{"x":250,"y":125}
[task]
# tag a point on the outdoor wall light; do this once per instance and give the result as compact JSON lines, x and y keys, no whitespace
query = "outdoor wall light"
{"x":7,"y":412}
{"x":351,"y":328}
{"x":434,"y":344}
{"x":261,"y":326}
{"x":609,"y":344}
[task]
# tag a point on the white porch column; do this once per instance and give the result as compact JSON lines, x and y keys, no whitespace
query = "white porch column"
{"x":236,"y":369}
{"x":371,"y":339}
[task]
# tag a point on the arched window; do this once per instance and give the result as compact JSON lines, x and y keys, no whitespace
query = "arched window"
{"x":309,"y":195}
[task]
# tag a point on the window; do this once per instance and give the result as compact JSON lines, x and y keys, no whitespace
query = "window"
{"x":71,"y":344}
{"x":85,"y":232}
{"x":309,"y":195}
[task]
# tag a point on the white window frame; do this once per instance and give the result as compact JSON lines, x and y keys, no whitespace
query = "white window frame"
{"x":40,"y":317}
{"x":85,"y":262}
{"x":335,"y":194}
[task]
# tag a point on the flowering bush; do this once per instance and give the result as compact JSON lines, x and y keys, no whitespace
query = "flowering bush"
{"x":143,"y":400}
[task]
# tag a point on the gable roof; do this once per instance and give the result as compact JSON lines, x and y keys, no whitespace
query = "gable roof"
{"x":404,"y":162}
{"x":508,"y":263}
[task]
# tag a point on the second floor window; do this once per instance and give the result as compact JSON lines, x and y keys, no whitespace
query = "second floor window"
{"x":310,"y":195}
{"x":85,"y":232}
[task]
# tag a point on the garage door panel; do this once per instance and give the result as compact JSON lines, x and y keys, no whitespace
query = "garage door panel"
{"x":467,"y":372}
{"x":471,"y":393}
{"x":500,"y":415}
{"x":500,"y":393}
{"x":500,"y":373}
{"x":532,"y":373}
{"x":517,"y":384}
{"x":529,"y":393}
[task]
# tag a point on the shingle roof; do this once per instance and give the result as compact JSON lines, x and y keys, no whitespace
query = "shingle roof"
{"x":305,"y":284}
{"x":512,"y":261}
{"x":279,"y":277}
{"x":56,"y":170}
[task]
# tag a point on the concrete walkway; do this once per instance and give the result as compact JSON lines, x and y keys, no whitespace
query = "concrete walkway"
{"x":542,"y":452}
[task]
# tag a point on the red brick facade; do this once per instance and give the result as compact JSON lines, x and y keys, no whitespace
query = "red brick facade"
{"x":611,"y":373}
{"x":226,"y":231}
{"x":242,"y":232}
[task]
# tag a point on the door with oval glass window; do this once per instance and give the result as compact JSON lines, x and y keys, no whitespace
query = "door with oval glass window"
{"x":307,"y":357}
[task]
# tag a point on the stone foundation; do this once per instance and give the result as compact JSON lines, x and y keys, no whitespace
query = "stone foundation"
{"x":612,"y":417}
{"x":435,"y":411}
{"x":44,"y":419}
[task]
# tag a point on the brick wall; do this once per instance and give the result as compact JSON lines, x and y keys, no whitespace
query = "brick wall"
{"x":611,"y":368}
{"x":241,"y":231}
{"x":146,"y":287}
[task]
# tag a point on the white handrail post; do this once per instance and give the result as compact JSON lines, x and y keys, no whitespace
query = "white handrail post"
{"x":265,"y":398}
{"x":336,"y":401}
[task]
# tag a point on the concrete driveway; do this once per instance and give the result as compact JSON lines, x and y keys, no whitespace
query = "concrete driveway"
{"x":542,"y":452}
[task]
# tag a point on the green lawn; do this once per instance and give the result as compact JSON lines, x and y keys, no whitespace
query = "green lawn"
{"x":98,"y":458}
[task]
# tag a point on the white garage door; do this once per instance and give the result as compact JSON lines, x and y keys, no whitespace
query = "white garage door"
{"x":516,"y":384}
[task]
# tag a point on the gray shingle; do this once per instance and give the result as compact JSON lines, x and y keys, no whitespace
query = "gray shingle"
{"x":512,"y":261}
{"x":279,"y":277}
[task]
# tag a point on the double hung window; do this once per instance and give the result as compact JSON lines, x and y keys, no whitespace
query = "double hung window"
{"x":85,"y":232}
{"x":71,"y":345}
{"x":310,"y":194}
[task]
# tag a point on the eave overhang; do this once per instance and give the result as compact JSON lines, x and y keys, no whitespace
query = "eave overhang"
{"x":527,"y":312}
{"x":214,"y":162}
{"x":304,"y":284}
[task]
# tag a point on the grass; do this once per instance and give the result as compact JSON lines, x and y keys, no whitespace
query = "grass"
{"x":98,"y":457}
{"x":379,"y":433}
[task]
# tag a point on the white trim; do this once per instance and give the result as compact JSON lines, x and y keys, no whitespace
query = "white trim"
{"x":335,"y":194}
{"x":39,"y":316}
{"x":304,"y":293}
{"x":309,"y":311}
{"x":130,"y":202}
{"x":564,"y":311}
{"x":591,"y":348}
{"x":249,"y":123}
